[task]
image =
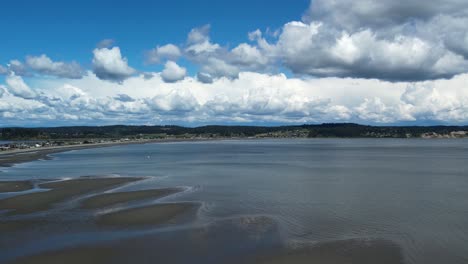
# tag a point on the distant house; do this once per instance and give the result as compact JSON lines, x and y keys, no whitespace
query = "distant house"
{"x":458,"y":134}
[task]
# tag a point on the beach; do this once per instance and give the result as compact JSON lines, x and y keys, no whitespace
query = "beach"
{"x":11,"y":157}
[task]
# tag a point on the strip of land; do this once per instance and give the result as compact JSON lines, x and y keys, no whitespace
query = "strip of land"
{"x":148,"y":215}
{"x":11,"y":157}
{"x":60,"y":191}
{"x":15,"y":186}
{"x":109,"y":199}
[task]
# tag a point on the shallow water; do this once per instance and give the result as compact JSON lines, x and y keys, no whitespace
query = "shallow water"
{"x":411,"y":192}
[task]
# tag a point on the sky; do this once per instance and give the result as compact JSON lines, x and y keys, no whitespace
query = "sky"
{"x":251,"y":62}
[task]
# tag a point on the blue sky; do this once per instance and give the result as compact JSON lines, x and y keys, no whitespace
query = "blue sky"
{"x":238,"y":62}
{"x":69,"y":30}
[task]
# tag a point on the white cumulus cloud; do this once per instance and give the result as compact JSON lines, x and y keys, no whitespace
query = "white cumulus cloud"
{"x":17,"y":87}
{"x":251,"y":98}
{"x":173,"y":72}
{"x":108,"y":64}
{"x":160,"y":53}
{"x":44,"y":65}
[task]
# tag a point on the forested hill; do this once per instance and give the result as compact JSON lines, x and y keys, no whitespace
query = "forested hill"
{"x":346,"y":130}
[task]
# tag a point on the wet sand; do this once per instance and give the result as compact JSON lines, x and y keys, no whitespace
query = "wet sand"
{"x":338,"y":252}
{"x":89,"y":255}
{"x":207,"y":245}
{"x":148,"y":215}
{"x":18,"y":225}
{"x":60,"y":191}
{"x":8,"y":159}
{"x":109,"y":199}
{"x":15,"y":186}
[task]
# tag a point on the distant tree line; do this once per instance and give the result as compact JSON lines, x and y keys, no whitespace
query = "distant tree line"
{"x":346,"y":130}
{"x":355,"y":130}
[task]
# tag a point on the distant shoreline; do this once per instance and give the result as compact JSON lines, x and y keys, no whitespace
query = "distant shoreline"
{"x":10,"y":158}
{"x":17,"y":156}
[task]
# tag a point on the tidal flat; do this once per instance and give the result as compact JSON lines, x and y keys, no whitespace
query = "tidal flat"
{"x":15,"y":186}
{"x":256,"y":239}
{"x":340,"y":201}
{"x":57,"y":191}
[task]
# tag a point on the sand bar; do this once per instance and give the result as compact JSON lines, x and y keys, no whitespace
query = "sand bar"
{"x":15,"y":186}
{"x":60,"y":191}
{"x":147,"y":215}
{"x":108,"y":199}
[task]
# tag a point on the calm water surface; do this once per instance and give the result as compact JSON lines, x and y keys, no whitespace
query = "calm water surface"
{"x":409,"y":191}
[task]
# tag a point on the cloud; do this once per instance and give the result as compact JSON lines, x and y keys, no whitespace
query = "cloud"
{"x":314,"y":49}
{"x":177,"y":102}
{"x":248,"y":56}
{"x":105,"y":43}
{"x":199,"y":34}
{"x":17,"y":87}
{"x":217,"y":61}
{"x":251,"y":98}
{"x":429,"y":101}
{"x":389,"y":40}
{"x":160,"y":53}
{"x":173,"y":72}
{"x":366,"y":61}
{"x":17,"y":67}
{"x":217,"y":67}
{"x":375,"y":110}
{"x":124,"y":98}
{"x":353,"y":15}
{"x":386,"y":40}
{"x":198,"y":41}
{"x":44,"y":65}
{"x":204,"y":77}
{"x":108,"y":64}
{"x":255,"y":35}
{"x":3,"y":70}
